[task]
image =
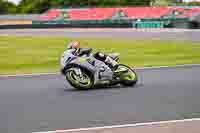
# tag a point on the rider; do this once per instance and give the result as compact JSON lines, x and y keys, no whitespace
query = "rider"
{"x":99,"y":56}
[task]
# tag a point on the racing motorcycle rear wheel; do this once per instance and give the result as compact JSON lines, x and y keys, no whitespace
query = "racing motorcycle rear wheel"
{"x":128,"y":77}
{"x":84,"y":81}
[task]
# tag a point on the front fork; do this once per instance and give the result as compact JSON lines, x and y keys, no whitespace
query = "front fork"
{"x":78,"y":72}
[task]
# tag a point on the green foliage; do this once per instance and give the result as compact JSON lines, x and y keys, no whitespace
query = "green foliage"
{"x":165,"y":2}
{"x":7,"y":7}
{"x":194,"y":3}
{"x":36,"y":6}
{"x":39,"y":6}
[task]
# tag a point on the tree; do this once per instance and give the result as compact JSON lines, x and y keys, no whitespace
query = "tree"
{"x":33,"y":6}
{"x":194,"y":3}
{"x":165,"y":2}
{"x":39,"y":6}
{"x":7,"y":7}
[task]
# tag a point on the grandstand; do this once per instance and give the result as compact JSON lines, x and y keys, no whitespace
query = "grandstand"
{"x":129,"y":12}
{"x":124,"y":17}
{"x":156,"y":17}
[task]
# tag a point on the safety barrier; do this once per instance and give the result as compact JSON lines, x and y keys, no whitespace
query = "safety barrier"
{"x":134,"y":23}
{"x":143,"y":23}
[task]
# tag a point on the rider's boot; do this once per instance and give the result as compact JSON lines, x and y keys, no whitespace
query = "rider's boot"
{"x":112,"y":63}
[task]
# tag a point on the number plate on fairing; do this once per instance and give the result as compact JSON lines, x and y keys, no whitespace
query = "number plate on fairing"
{"x":91,"y":61}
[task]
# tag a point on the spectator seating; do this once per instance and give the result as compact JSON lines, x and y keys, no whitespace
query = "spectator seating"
{"x":92,"y":14}
{"x":146,"y":12}
{"x":51,"y":15}
{"x":187,"y":13}
{"x":130,"y":12}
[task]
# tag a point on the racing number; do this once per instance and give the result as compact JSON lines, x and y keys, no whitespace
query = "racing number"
{"x":92,"y":62}
{"x":102,"y":70}
{"x":68,"y":59}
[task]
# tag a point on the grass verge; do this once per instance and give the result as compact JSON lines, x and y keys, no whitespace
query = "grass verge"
{"x":41,"y":54}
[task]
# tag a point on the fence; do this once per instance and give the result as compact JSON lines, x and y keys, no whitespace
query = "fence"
{"x":20,"y":17}
{"x":131,"y":23}
{"x":30,"y":21}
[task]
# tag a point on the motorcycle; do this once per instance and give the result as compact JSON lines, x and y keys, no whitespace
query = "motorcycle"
{"x":86,"y":72}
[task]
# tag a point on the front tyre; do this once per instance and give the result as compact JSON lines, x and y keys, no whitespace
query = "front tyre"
{"x":129,"y":77}
{"x":84,"y":81}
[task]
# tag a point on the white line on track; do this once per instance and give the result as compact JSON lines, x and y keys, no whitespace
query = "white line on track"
{"x":177,"y":66}
{"x":142,"y":68}
{"x":121,"y":126}
{"x":28,"y":75}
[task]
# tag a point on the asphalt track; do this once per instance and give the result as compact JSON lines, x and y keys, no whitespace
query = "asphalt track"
{"x":41,"y":103}
{"x":164,"y":34}
{"x":47,"y":102}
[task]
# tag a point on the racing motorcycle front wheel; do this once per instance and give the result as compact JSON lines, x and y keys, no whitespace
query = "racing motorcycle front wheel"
{"x":79,"y":78}
{"x":128,"y":77}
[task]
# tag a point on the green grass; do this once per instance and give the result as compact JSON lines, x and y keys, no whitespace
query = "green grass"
{"x":190,"y":115}
{"x":42,"y":54}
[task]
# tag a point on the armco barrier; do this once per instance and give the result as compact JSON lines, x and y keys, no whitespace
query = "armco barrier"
{"x":15,"y":22}
{"x":120,"y":23}
{"x":75,"y":25}
{"x":158,"y":23}
{"x":48,"y":26}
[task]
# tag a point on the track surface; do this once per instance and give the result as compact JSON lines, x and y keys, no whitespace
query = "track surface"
{"x":38,"y":103}
{"x":164,"y":34}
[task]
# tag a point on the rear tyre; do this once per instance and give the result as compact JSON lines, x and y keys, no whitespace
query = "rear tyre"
{"x":85,"y":82}
{"x":129,"y":77}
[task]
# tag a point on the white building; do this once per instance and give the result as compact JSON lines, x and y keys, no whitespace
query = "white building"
{"x":190,"y":0}
{"x":14,"y":1}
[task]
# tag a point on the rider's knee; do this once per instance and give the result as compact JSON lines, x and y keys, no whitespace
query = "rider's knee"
{"x":100,"y":56}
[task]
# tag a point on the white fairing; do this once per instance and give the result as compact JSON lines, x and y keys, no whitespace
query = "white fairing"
{"x":65,"y":56}
{"x":100,"y":70}
{"x":106,"y":73}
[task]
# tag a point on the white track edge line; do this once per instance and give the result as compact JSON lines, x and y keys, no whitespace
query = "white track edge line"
{"x":121,"y":126}
{"x":159,"y":67}
{"x":24,"y":75}
{"x":142,"y":68}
